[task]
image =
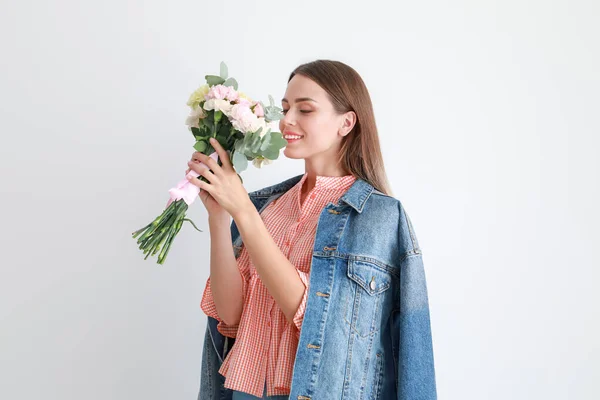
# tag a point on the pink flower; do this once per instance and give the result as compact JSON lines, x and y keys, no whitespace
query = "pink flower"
{"x":258,"y":110}
{"x":222,"y":92}
{"x":244,"y":102}
{"x":240,"y":112}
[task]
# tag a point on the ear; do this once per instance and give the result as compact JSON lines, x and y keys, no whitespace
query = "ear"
{"x":348,"y":122}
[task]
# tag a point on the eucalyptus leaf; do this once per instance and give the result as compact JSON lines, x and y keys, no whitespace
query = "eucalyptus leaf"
{"x":266,"y":140}
{"x":224,"y":71}
{"x":276,"y":144}
{"x":247,"y":141}
{"x":213,"y":80}
{"x":231,"y":82}
{"x":240,"y":162}
{"x":271,"y":153}
{"x":256,"y":141}
{"x":239,"y":145}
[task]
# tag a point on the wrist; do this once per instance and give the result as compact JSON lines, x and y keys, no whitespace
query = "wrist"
{"x":219,"y":219}
{"x":243,"y":212}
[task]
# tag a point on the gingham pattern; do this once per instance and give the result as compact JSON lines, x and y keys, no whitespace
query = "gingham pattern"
{"x":266,"y":343}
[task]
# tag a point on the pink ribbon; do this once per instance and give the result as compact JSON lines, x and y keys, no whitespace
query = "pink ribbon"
{"x":185,"y":189}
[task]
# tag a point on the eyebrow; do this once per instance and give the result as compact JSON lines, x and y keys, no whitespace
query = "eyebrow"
{"x":299,"y":99}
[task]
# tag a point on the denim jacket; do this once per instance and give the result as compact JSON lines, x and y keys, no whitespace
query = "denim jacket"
{"x":366,"y":329}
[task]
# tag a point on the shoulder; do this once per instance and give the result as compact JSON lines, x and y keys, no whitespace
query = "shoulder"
{"x":385,"y":207}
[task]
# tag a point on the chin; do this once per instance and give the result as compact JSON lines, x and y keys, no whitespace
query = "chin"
{"x":291,"y":154}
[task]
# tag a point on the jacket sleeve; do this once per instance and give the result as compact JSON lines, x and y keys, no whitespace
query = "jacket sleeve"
{"x":416,"y":373}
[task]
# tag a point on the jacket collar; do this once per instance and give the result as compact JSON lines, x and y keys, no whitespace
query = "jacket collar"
{"x":356,"y":196}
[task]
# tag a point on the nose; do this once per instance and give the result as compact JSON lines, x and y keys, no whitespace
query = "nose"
{"x":288,"y":119}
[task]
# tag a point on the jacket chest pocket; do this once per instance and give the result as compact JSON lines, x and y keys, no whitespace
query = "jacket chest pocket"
{"x":365,"y":293}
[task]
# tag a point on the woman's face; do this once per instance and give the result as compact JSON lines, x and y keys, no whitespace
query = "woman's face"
{"x":309,"y":114}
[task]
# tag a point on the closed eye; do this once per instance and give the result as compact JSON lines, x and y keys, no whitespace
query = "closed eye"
{"x":302,"y":111}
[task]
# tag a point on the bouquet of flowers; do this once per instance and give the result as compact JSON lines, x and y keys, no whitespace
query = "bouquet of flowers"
{"x":241,"y":125}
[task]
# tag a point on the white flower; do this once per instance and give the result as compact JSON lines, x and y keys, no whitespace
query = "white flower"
{"x":219,"y":105}
{"x":258,"y":124}
{"x":258,"y":162}
{"x":194,"y":118}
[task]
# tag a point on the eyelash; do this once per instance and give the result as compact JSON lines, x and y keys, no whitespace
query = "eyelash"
{"x":302,"y":111}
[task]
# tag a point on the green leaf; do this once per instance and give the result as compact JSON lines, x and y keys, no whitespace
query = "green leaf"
{"x":224,"y":71}
{"x":266,"y":140}
{"x":256,"y":142}
{"x":204,"y":131}
{"x":222,"y":141}
{"x":210,"y":117}
{"x":271,"y":154}
{"x":231,"y":82}
{"x":271,"y":101}
{"x":196,"y":132}
{"x":247,"y":141}
{"x":240,"y":162}
{"x":213,"y":80}
{"x":277,"y":143}
{"x":224,"y":131}
{"x":209,"y":149}
{"x":239,"y":145}
{"x":200,"y":146}
{"x":218,"y":115}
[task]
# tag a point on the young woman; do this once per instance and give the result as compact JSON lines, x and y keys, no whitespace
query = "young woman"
{"x":323,"y":295}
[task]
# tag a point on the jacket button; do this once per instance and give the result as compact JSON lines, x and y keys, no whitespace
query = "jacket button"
{"x":373,"y":285}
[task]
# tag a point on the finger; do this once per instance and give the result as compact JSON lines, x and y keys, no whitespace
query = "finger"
{"x":196,"y":156}
{"x":210,"y":162}
{"x":222,"y":153}
{"x":201,"y":184}
{"x":203,"y":170}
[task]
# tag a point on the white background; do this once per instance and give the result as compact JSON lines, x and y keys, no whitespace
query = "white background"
{"x":489,"y":123}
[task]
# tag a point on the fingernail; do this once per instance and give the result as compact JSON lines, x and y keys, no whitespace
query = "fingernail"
{"x":212,"y":140}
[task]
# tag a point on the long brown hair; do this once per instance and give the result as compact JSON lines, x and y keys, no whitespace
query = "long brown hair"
{"x":360,"y":153}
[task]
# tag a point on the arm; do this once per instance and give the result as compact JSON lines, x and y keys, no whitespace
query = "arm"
{"x":223,"y":297}
{"x":280,"y":277}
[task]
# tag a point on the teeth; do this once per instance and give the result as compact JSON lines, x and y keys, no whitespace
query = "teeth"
{"x":293,"y":137}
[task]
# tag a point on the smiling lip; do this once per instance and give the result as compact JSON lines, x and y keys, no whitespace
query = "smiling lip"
{"x":292,"y":134}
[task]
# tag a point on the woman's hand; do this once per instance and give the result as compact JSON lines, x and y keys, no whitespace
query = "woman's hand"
{"x":225,"y":190}
{"x":212,"y":206}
